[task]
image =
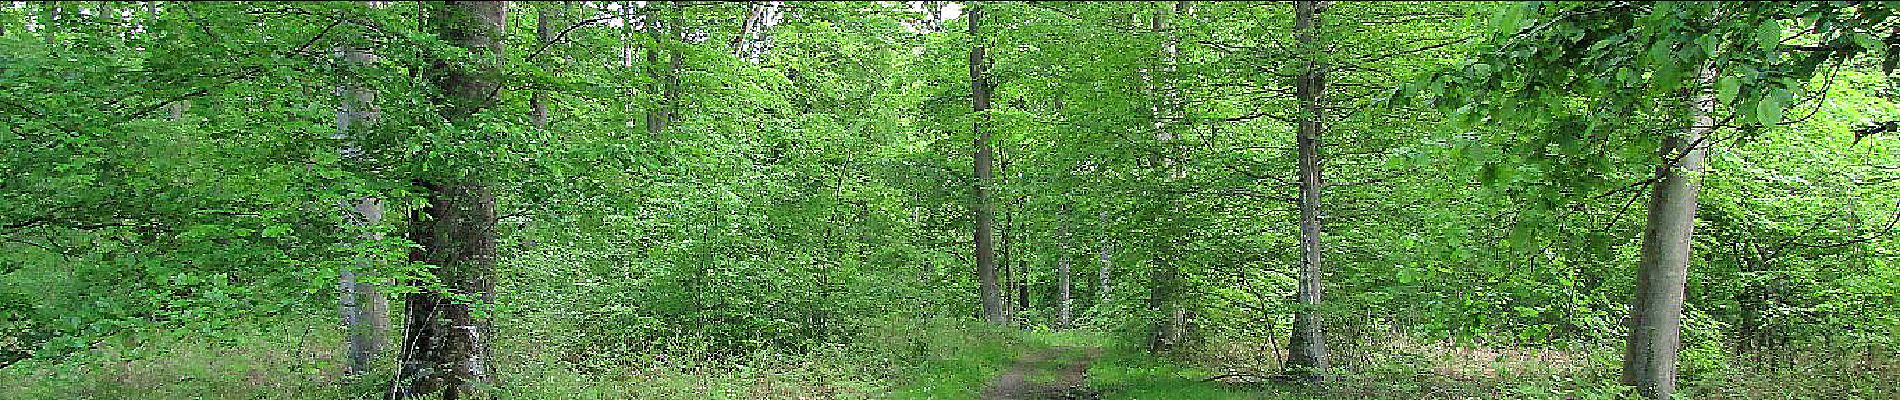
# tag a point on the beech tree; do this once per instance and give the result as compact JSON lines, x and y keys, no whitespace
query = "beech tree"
{"x":779,"y":200}
{"x":446,"y":338}
{"x":364,"y":307}
{"x":1679,"y":64}
{"x":990,"y":295}
{"x":1307,"y":348}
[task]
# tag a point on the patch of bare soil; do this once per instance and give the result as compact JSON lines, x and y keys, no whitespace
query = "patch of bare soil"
{"x":1054,"y":373}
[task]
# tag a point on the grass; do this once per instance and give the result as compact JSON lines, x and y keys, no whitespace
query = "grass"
{"x":282,"y":363}
{"x":1127,"y":372}
{"x":960,"y":362}
{"x":933,"y":359}
{"x":930,"y":359}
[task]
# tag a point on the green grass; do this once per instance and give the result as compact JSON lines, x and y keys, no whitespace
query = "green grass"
{"x":959,"y":361}
{"x":286,"y":362}
{"x":1126,"y":372}
{"x":906,"y":359}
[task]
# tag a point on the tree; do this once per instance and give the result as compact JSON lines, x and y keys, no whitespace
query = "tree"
{"x":755,"y":32}
{"x":1106,"y":260}
{"x":1065,"y":304}
{"x":666,"y":80}
{"x":1676,"y":64}
{"x":1649,"y":362}
{"x":445,"y":343}
{"x":989,"y":293}
{"x":1307,"y":349}
{"x":364,"y":307}
{"x":543,"y":36}
{"x":1168,"y":113}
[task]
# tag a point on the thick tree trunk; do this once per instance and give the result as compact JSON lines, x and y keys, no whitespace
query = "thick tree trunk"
{"x":990,"y":295}
{"x":1308,"y":346}
{"x":979,"y":99}
{"x":364,"y":309}
{"x":445,"y":345}
{"x":1649,"y":360}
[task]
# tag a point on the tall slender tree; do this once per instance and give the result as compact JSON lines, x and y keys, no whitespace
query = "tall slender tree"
{"x":985,"y":212}
{"x":1105,"y":257}
{"x":544,"y":36}
{"x":1307,"y":350}
{"x":1166,"y":110}
{"x":1065,"y":305}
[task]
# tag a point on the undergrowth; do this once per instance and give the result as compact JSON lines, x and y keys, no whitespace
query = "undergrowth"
{"x":934,"y":359}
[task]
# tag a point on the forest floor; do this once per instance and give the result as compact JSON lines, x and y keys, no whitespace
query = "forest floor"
{"x":1047,"y":373}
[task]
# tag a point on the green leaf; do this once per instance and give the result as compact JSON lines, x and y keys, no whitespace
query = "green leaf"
{"x":1866,"y":41}
{"x":1768,"y":110}
{"x":1769,"y":34}
{"x":1727,"y":88}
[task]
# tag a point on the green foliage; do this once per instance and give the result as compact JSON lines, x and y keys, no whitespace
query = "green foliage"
{"x":172,"y":179}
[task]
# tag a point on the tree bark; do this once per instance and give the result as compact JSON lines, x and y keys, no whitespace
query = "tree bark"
{"x":990,"y":295}
{"x":1307,"y":350}
{"x":755,"y":33}
{"x":1171,"y":325}
{"x":1014,"y":227}
{"x":933,"y":16}
{"x":1064,"y":304}
{"x":1005,"y":240}
{"x":364,"y":309}
{"x":1106,"y":259}
{"x":665,"y":75}
{"x":1649,"y":359}
{"x":543,"y":34}
{"x":445,"y":344}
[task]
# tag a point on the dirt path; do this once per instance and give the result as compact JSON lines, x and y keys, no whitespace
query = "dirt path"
{"x":1055,"y":373}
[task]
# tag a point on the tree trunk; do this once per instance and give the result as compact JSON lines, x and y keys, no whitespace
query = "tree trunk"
{"x":933,"y":16}
{"x":364,"y":309}
{"x":631,"y":92}
{"x":1005,"y":243}
{"x":543,"y":34}
{"x":665,"y":76}
{"x":1308,"y":345}
{"x":1170,"y":325}
{"x":755,"y":33}
{"x":1064,"y":305}
{"x":445,"y":345}
{"x":990,"y":294}
{"x":1021,"y":268}
{"x":1160,"y":304}
{"x":1649,"y":360}
{"x":1022,"y":287}
{"x":1106,"y":259}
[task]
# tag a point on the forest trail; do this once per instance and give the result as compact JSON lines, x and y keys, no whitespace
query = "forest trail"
{"x":1051,"y":373}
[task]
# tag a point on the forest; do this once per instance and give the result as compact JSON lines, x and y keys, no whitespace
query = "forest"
{"x":1562,"y":200}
